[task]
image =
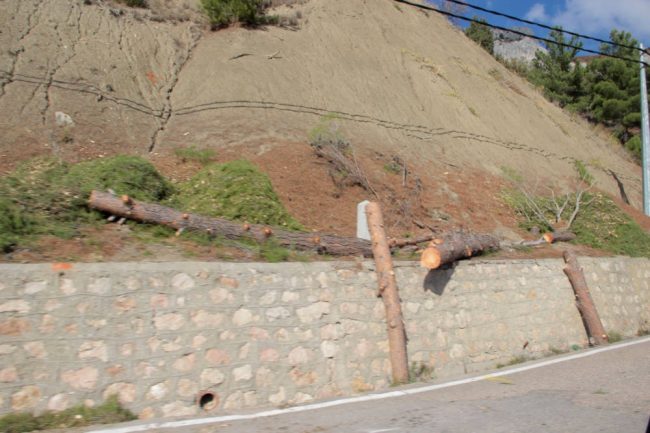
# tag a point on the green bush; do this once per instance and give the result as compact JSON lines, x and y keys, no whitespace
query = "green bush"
{"x":192,"y":153}
{"x":605,"y":226}
{"x":222,"y":13}
{"x":13,"y":223}
{"x":124,"y":174}
{"x":54,"y":194}
{"x":634,"y":146}
{"x":236,"y":190}
{"x":135,"y":3}
{"x":79,"y":416}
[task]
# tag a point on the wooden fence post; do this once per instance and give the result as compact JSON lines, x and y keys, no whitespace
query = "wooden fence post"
{"x":585,"y":304}
{"x":389,"y":294}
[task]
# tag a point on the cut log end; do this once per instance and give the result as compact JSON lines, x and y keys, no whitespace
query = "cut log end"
{"x":430,"y":258}
{"x":548,"y":237}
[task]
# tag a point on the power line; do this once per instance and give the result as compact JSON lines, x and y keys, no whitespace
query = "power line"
{"x":544,"y":26}
{"x":517,"y":32}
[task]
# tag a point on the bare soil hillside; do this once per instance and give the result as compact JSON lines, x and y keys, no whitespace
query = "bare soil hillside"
{"x":399,"y":84}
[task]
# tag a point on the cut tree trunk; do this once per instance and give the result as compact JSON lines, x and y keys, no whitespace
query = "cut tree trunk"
{"x":154,"y":213}
{"x":585,"y":304}
{"x":389,"y":294}
{"x":456,"y":246}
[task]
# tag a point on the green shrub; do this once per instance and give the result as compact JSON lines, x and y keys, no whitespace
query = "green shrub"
{"x":54,"y":194}
{"x":124,"y":174}
{"x":79,"y":416}
{"x":202,"y":156}
{"x":273,"y":252}
{"x":13,"y":223}
{"x":134,"y":3}
{"x":236,"y":190}
{"x":222,"y":13}
{"x":605,"y":226}
{"x":634,"y":146}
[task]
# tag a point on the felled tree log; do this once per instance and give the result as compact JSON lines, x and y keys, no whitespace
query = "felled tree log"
{"x":154,"y":213}
{"x":389,"y":294}
{"x":550,"y":238}
{"x":456,"y":246}
{"x":585,"y":304}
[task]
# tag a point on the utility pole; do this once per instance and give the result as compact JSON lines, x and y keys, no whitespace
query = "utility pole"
{"x":645,"y":135}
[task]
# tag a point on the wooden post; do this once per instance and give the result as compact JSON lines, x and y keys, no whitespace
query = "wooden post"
{"x":389,"y":294}
{"x":585,"y":304}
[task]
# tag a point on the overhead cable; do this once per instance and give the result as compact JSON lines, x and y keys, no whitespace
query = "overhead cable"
{"x":517,"y":32}
{"x":544,"y":26}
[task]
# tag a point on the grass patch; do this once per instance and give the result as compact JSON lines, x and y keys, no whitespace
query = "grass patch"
{"x":235,"y":190}
{"x":514,"y":361}
{"x":614,"y":337}
{"x":420,"y":372}
{"x":45,"y":196}
{"x":109,"y":412}
{"x":193,"y":154}
{"x":605,"y":226}
{"x":393,"y":167}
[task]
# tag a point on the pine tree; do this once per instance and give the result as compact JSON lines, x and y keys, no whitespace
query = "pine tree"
{"x":555,"y":70}
{"x":481,"y":34}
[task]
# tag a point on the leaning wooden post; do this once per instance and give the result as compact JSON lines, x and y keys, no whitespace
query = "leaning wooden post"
{"x":389,"y":294}
{"x":585,"y":304}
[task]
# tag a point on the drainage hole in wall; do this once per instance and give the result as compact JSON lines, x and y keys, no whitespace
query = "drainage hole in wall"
{"x":208,"y":400}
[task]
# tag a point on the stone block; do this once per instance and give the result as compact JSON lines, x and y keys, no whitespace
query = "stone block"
{"x":313,"y":312}
{"x":277,"y":313}
{"x":100,"y":286}
{"x":329,"y":349}
{"x":269,"y":355}
{"x":218,"y":296}
{"x":242,"y":317}
{"x":299,"y":355}
{"x":159,"y":300}
{"x":187,"y":388}
{"x":243,"y":373}
{"x":35,"y":349}
{"x":279,"y":397}
{"x":25,"y":399}
{"x":125,"y":392}
{"x":264,"y":377}
{"x":268,"y":298}
{"x":203,"y":319}
{"x":217,"y":357}
{"x":169,"y":322}
{"x":301,"y":397}
{"x":15,"y":306}
{"x":211,"y":377}
{"x":58,"y":402}
{"x":178,"y":409}
{"x":9,"y":374}
{"x":124,"y":303}
{"x":158,"y":391}
{"x":82,"y":379}
{"x":182,"y":282}
{"x":93,"y":349}
{"x":185,"y":363}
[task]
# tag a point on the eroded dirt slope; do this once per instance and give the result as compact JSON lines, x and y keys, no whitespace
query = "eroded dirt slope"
{"x":396,"y":81}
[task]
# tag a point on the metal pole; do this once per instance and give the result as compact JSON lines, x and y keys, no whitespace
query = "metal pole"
{"x":645,"y":135}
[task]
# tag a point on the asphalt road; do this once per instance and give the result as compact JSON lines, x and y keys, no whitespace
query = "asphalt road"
{"x":606,"y":392}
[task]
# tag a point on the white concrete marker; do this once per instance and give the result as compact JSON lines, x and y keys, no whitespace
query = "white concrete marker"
{"x":362,"y":221}
{"x":363,"y":398}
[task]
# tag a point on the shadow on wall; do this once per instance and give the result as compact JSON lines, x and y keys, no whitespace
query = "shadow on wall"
{"x":437,"y":279}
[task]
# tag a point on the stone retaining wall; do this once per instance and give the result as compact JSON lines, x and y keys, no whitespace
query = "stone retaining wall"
{"x":256,"y":335}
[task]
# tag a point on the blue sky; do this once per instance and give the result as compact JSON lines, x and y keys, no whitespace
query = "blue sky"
{"x":592,"y":17}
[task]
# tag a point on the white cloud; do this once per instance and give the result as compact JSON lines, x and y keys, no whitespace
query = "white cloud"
{"x":593,"y":16}
{"x":537,"y":13}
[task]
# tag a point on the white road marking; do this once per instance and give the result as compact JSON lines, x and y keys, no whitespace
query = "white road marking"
{"x":382,"y":430}
{"x":363,"y":398}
